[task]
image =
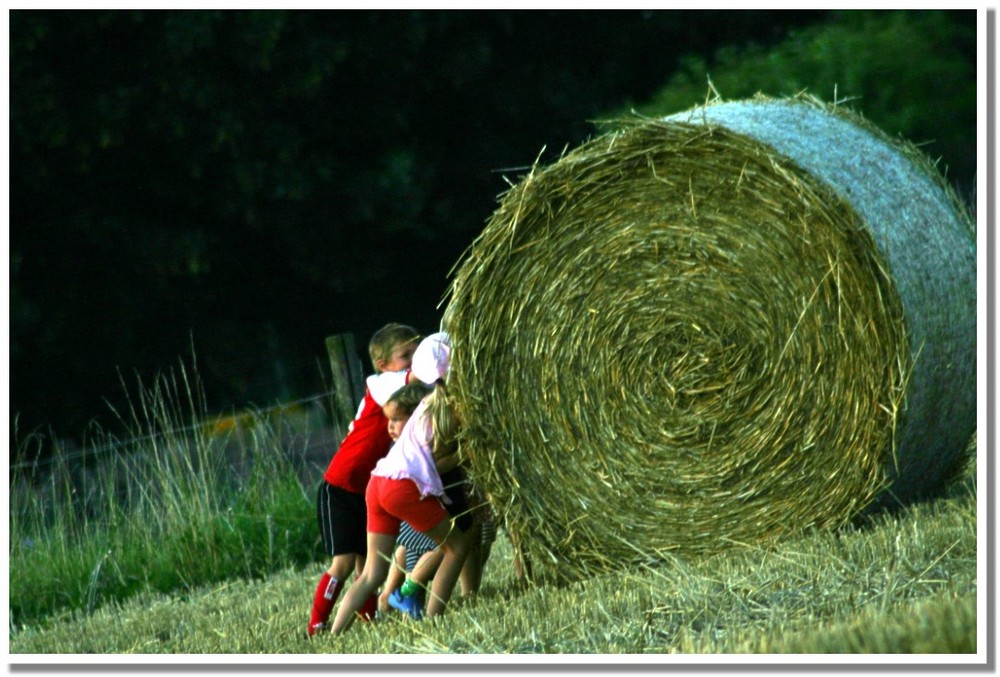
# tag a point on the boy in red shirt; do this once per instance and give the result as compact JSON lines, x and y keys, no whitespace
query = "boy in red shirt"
{"x":340,"y":501}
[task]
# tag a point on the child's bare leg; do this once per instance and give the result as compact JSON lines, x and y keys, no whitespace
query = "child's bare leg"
{"x":427,"y":566}
{"x":376,"y":567}
{"x":454,"y":544}
{"x":397,"y":574}
{"x":472,"y":570}
{"x":341,"y":566}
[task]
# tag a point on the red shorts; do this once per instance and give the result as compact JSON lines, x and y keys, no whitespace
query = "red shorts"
{"x":392,"y":501}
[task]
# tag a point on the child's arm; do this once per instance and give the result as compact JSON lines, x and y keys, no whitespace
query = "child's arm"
{"x":447,"y":460}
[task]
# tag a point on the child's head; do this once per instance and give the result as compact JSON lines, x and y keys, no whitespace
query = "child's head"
{"x":431,"y":363}
{"x":432,"y":358}
{"x":391,"y":347}
{"x":401,"y":404}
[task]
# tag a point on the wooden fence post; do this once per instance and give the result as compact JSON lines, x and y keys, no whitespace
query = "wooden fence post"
{"x":348,"y":374}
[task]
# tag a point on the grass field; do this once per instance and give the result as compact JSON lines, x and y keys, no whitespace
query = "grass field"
{"x":188,"y":566}
{"x":901,"y":586}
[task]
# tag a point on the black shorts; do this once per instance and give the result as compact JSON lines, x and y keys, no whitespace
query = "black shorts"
{"x":343,"y":520}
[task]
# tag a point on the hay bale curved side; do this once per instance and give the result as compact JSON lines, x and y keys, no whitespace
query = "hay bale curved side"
{"x":672,"y":340}
{"x":926,"y":240}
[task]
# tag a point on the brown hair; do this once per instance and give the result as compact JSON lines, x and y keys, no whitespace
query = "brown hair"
{"x":386,"y":339}
{"x":410,"y":395}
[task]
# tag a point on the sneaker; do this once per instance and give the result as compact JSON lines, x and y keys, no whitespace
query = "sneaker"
{"x":408,"y":605}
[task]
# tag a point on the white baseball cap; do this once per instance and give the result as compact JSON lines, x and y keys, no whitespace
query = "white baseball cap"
{"x":432,"y":358}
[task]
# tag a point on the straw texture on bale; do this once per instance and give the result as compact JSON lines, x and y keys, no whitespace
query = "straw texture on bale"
{"x":687,"y":335}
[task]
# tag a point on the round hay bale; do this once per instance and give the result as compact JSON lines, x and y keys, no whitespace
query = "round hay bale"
{"x":720,"y":328}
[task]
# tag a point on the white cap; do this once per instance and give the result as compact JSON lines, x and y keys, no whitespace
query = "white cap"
{"x":432,"y":358}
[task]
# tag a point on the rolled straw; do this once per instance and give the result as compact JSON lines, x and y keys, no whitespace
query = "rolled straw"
{"x":720,"y":328}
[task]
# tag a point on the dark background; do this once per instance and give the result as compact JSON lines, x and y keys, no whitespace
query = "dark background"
{"x":228,"y":188}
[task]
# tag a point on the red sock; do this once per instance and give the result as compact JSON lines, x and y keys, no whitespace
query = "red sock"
{"x":368,"y":609}
{"x":326,"y":596}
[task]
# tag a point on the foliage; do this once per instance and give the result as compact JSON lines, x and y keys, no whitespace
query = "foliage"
{"x":254,"y":175}
{"x":247,"y":180}
{"x":907,"y":72}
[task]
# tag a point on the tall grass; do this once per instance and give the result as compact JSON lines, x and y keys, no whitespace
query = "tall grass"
{"x":170,"y":505}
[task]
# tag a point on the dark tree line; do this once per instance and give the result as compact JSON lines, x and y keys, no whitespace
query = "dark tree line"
{"x":245,"y":183}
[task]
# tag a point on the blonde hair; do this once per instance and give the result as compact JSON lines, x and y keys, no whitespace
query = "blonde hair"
{"x":444,"y":420}
{"x":386,"y":339}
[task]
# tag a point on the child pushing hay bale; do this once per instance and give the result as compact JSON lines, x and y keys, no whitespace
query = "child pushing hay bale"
{"x":720,"y":328}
